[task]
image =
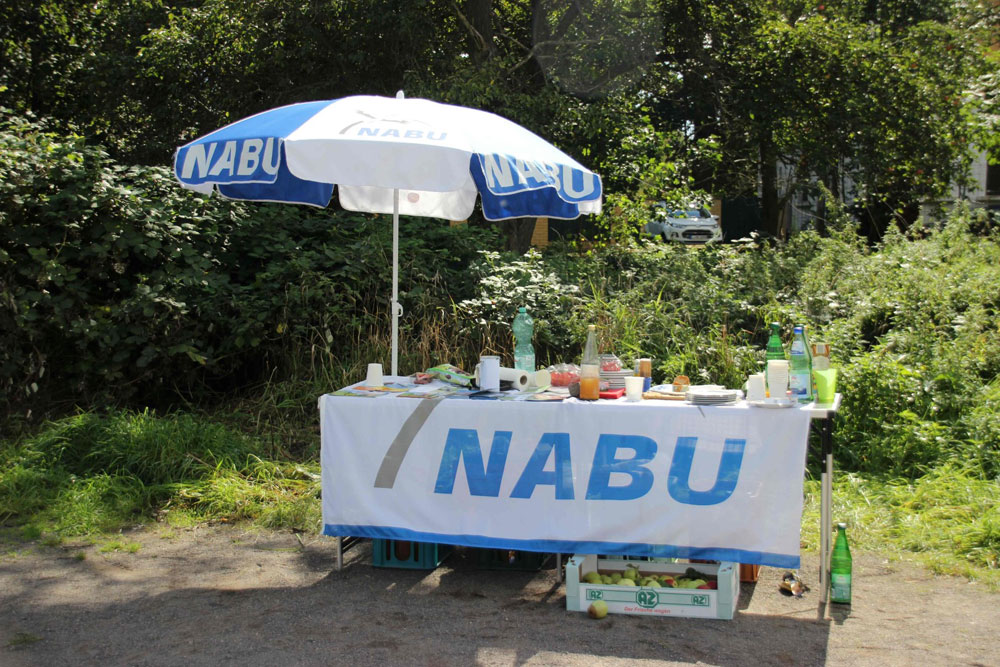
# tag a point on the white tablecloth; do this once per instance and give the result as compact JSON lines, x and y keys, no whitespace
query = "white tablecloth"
{"x":656,"y":478}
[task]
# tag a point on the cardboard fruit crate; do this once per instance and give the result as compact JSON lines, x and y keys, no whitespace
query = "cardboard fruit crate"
{"x":408,"y":555}
{"x":650,"y":601}
{"x":503,"y":559}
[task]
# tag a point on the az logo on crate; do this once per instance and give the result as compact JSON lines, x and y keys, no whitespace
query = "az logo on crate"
{"x":594,"y":594}
{"x":648,"y":599}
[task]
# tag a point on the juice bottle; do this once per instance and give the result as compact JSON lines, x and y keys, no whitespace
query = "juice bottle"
{"x":590,"y":382}
{"x":590,"y":370}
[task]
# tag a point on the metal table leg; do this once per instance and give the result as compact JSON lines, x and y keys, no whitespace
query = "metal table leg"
{"x":826,"y":495}
{"x":343,"y":544}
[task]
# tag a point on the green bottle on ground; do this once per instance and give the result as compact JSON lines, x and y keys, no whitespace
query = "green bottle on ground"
{"x":840,"y":568}
{"x":775,"y":350}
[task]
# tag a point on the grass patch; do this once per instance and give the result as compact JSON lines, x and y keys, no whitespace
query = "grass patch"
{"x":120,"y":545}
{"x":948,"y":519}
{"x":95,"y":474}
{"x":23,"y":639}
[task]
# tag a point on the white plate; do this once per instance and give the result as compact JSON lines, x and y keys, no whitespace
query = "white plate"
{"x":774,"y":403}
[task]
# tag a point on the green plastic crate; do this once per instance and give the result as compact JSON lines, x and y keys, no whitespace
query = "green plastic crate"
{"x":408,"y":555}
{"x":504,"y":559}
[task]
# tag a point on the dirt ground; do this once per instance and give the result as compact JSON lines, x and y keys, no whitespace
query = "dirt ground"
{"x":225,"y":596}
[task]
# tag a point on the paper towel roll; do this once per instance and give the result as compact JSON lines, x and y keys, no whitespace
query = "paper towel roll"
{"x":517,"y":378}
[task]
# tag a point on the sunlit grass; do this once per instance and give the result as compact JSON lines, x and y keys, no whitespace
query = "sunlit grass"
{"x":93,"y":474}
{"x":948,"y":519}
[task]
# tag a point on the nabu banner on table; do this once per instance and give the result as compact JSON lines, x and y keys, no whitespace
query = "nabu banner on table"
{"x":650,"y":479}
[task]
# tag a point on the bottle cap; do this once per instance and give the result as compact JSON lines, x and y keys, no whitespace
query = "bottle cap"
{"x":522,"y":309}
{"x":842,"y":526}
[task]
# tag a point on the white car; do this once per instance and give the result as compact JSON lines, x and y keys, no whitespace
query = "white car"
{"x":688,"y":225}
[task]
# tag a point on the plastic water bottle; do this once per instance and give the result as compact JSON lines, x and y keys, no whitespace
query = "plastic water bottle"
{"x":775,"y":350}
{"x":524,"y":351}
{"x":800,"y":367}
{"x":840,"y":568}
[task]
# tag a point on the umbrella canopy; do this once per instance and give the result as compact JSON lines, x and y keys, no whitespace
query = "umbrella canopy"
{"x":390,"y":155}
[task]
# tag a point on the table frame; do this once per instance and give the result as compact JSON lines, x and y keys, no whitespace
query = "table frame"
{"x":824,"y":415}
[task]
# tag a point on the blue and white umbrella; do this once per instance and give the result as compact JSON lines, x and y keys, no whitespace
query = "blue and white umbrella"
{"x":390,"y":155}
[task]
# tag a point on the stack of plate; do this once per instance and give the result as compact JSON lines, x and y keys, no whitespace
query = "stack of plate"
{"x":713,"y":395}
{"x":616,"y":379}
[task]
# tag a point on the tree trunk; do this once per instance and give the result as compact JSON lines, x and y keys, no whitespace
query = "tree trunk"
{"x":518,"y":231}
{"x":480,"y":16}
{"x":770,"y":213}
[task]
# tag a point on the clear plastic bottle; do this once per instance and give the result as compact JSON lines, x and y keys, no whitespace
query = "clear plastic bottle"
{"x":800,"y":367}
{"x":524,"y":351}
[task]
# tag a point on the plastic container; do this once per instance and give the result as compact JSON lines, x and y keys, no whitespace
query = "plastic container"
{"x":408,"y":555}
{"x":563,"y":375}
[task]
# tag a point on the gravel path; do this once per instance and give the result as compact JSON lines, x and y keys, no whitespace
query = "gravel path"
{"x":224,"y":596}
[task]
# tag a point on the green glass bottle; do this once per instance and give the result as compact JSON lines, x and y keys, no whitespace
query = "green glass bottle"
{"x":775,"y":350}
{"x":840,"y":568}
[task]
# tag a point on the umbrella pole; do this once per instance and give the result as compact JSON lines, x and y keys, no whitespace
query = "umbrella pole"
{"x":395,"y":280}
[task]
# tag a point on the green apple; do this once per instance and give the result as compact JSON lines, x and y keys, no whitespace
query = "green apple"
{"x":592,"y":577}
{"x":616,"y":577}
{"x":598,"y":609}
{"x":626,"y":582}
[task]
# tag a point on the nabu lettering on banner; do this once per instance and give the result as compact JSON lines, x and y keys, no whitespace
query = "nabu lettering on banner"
{"x":234,"y":161}
{"x":485,"y":477}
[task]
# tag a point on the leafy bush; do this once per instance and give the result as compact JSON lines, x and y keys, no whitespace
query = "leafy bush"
{"x":117,"y":285}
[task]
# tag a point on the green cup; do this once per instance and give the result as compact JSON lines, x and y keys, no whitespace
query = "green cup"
{"x":826,"y":385}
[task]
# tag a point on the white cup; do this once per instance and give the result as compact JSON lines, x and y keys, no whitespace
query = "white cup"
{"x":756,"y":387}
{"x":777,"y":378}
{"x":633,"y":388}
{"x":489,"y":373}
{"x":374,"y":377}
